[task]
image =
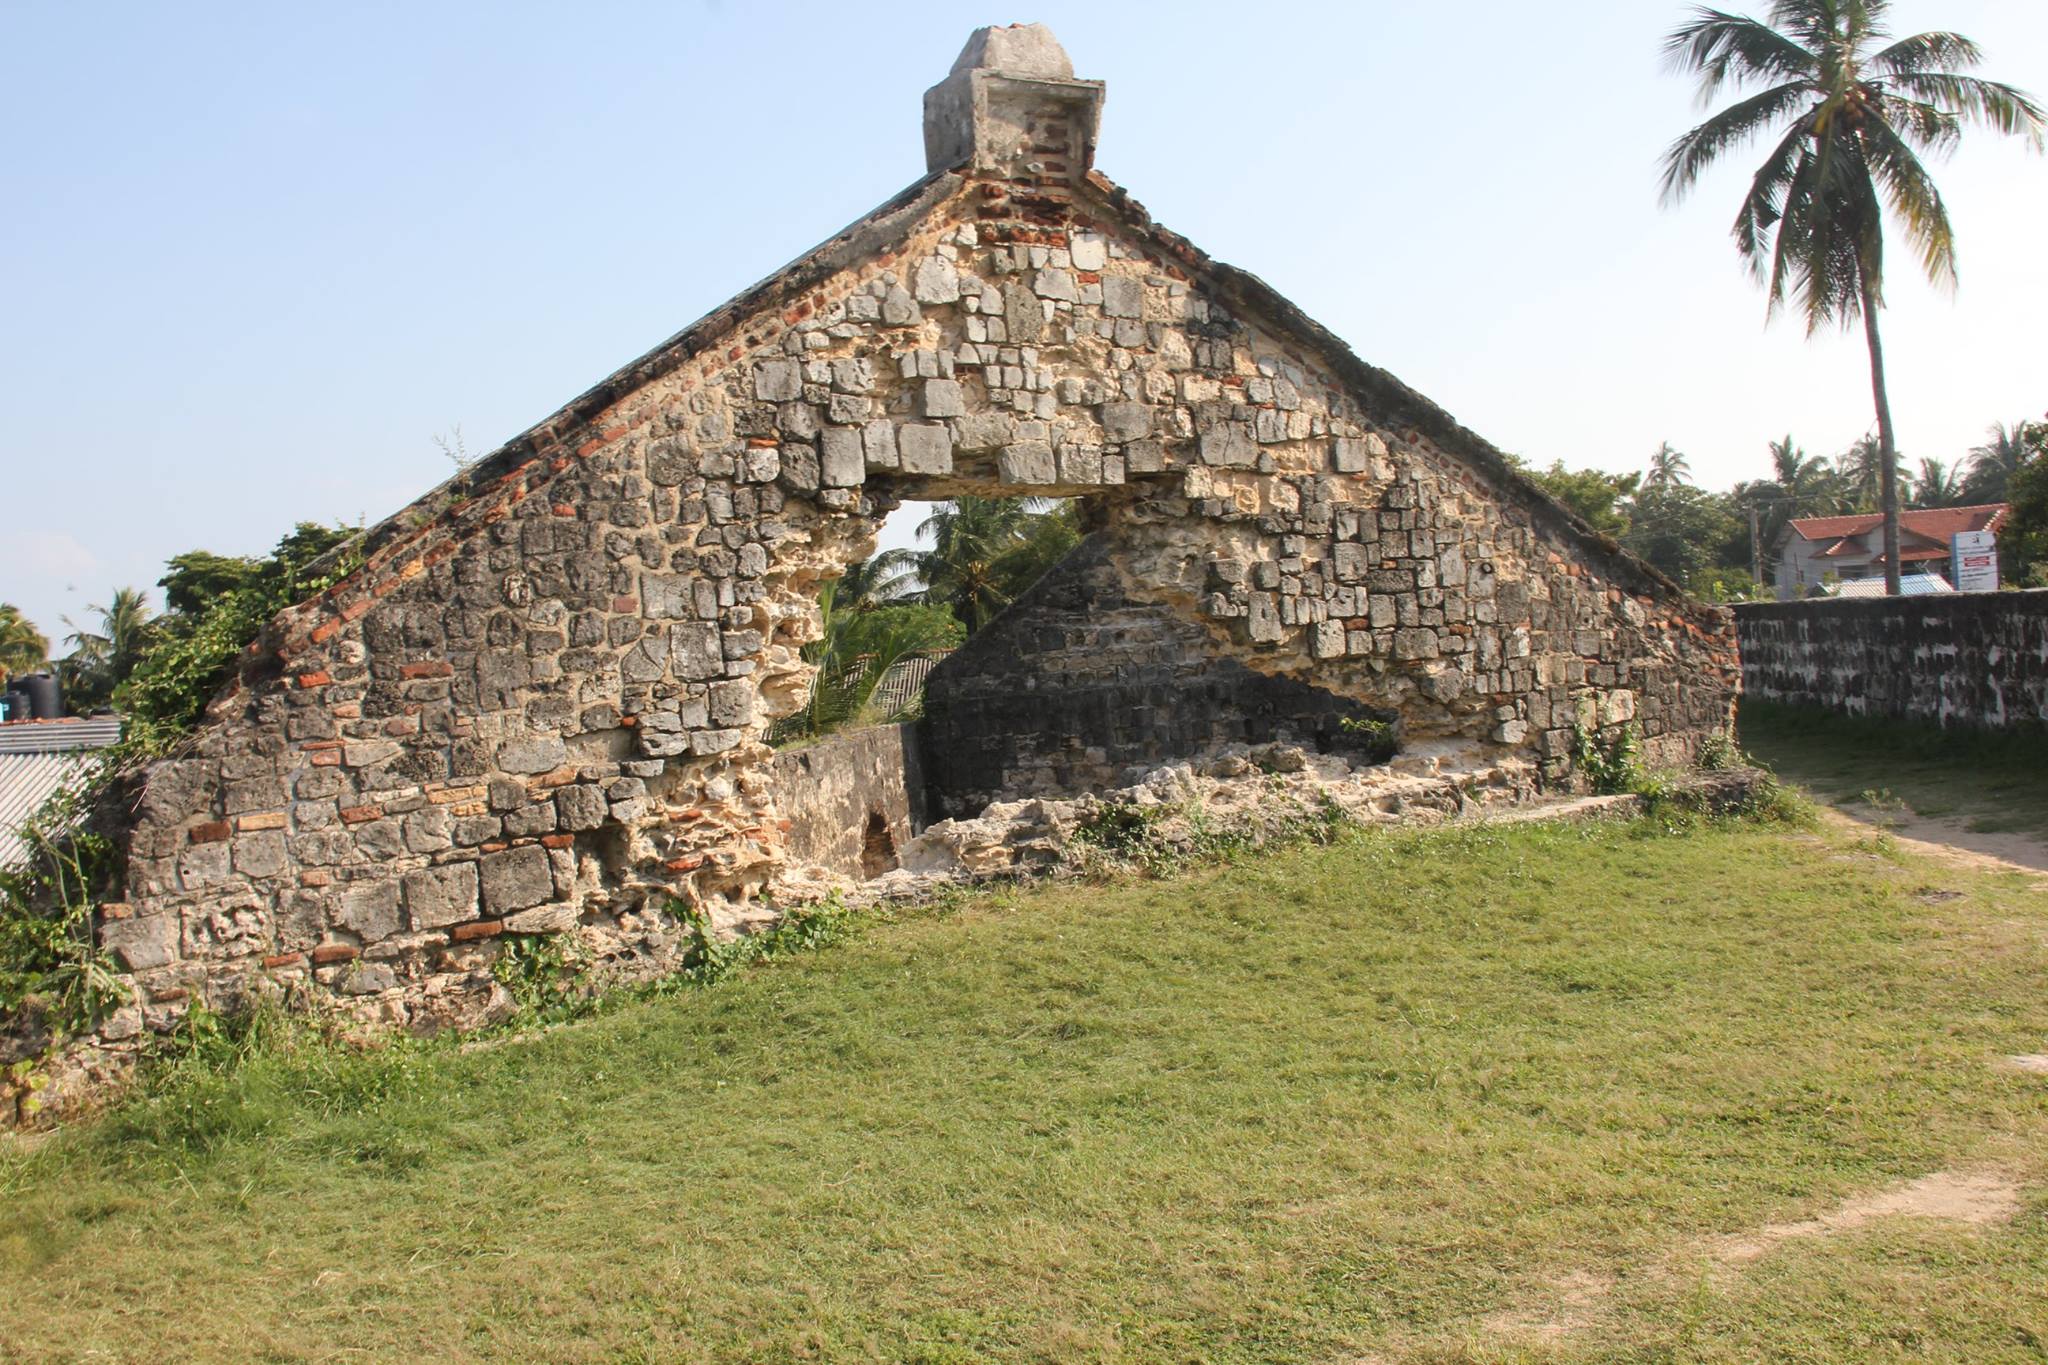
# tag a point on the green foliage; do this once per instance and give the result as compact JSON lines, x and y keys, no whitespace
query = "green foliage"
{"x":23,"y":648}
{"x":1684,"y":531}
{"x":1719,"y":753}
{"x":1611,"y":765}
{"x":47,"y":953}
{"x":987,"y":551}
{"x":1723,"y":584}
{"x":1120,"y":827}
{"x":804,"y":928}
{"x":100,"y":661}
{"x":2023,"y":545}
{"x":858,"y":648}
{"x":227,"y":605}
{"x":540,"y":973}
{"x":1592,"y":493}
{"x":1377,"y":739}
{"x":1991,"y":465}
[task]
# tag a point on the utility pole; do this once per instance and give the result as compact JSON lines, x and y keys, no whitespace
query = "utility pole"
{"x":1756,"y":549}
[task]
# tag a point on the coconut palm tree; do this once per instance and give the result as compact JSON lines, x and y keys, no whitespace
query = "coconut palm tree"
{"x":1936,"y":485}
{"x":890,"y":576}
{"x":986,"y":551}
{"x":22,"y":647}
{"x":1857,"y":111}
{"x":1860,"y":474}
{"x":1993,"y":464}
{"x":1668,"y":468}
{"x":101,"y":660}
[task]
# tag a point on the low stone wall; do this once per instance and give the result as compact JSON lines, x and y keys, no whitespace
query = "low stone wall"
{"x":851,"y":800}
{"x":1973,"y":659}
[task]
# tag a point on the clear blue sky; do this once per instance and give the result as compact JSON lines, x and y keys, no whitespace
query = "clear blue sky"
{"x":257,"y":256}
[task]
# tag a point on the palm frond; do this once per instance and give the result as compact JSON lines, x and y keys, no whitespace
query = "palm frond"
{"x":1914,"y":199}
{"x":1733,"y":49}
{"x":1925,"y":52}
{"x":1691,"y":154}
{"x":1923,"y":125}
{"x":1990,"y":104}
{"x":1763,"y":206}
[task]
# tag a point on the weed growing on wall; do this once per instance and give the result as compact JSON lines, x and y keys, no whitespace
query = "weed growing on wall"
{"x":1610,"y":766}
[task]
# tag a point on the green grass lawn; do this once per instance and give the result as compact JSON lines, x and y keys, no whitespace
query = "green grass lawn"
{"x":1987,"y":782}
{"x":1329,"y":1105}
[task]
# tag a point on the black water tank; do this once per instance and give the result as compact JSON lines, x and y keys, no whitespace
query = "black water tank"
{"x":13,"y":704}
{"x":44,"y":700}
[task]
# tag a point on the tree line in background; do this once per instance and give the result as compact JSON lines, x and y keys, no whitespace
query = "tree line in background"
{"x":1703,"y":538}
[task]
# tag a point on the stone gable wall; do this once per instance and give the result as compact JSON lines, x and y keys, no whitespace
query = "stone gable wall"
{"x":539,"y":707}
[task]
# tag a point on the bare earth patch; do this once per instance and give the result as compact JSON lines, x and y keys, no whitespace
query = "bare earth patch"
{"x":1950,"y":841}
{"x":1578,"y":1299}
{"x":1978,"y":1197}
{"x":2035,"y":1063}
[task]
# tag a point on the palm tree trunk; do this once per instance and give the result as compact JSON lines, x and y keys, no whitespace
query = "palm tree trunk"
{"x":1887,"y":450}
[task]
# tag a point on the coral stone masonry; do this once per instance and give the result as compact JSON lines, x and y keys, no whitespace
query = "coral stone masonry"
{"x":539,"y":706}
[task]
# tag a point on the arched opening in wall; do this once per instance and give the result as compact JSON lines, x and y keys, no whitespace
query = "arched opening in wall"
{"x":877,"y":847}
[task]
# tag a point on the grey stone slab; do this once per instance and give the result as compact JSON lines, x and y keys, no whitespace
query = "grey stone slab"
{"x":695,"y":651}
{"x":516,"y":878}
{"x":778,"y":380}
{"x":533,"y":754}
{"x":842,"y":461}
{"x":1123,"y":422}
{"x":1027,"y":462}
{"x":925,"y":449}
{"x":440,"y":896}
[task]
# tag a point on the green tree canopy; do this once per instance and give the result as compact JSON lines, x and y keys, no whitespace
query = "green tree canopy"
{"x":23,"y":648}
{"x":1594,"y":494}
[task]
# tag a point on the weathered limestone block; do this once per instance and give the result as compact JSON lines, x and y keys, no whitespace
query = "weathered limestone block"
{"x":516,"y":879}
{"x":440,"y":896}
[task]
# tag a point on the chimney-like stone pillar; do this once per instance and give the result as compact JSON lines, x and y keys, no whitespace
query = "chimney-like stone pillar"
{"x":1011,"y":107}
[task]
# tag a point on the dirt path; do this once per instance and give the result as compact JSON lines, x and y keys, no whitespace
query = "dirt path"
{"x":1949,"y":841}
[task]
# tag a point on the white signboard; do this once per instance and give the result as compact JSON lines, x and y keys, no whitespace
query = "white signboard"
{"x":1973,"y":561}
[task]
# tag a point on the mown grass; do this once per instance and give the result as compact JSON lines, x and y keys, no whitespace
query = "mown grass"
{"x":1988,"y":781}
{"x":1333,"y":1104}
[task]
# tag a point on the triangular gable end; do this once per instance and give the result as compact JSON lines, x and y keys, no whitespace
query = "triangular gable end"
{"x":541,"y":703}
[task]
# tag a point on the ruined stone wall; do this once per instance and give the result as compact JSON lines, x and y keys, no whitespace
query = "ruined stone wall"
{"x":851,"y":801}
{"x":1972,"y":659}
{"x":539,"y":706}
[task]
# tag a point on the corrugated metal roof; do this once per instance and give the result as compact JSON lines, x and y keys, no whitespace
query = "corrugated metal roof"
{"x":26,"y":781}
{"x":39,"y":758}
{"x":1910,"y":585}
{"x":58,"y":736}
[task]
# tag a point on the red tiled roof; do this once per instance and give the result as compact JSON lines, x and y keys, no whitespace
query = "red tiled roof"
{"x":1936,"y":523}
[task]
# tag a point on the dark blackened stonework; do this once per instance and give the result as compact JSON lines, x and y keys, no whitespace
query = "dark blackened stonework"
{"x":1975,"y":660}
{"x":1078,"y":688}
{"x":539,"y":706}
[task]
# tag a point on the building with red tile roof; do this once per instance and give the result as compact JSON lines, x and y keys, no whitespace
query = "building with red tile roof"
{"x":1814,"y":550}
